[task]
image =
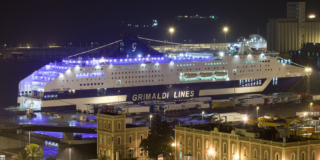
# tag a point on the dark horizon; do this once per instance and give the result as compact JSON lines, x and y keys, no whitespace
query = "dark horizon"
{"x":43,"y":22}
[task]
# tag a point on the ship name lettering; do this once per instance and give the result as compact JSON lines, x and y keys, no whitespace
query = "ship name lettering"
{"x":182,"y":94}
{"x":163,"y":95}
{"x":154,"y":96}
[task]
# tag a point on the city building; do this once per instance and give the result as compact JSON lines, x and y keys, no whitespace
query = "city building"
{"x":296,"y":9}
{"x":241,"y":142}
{"x":119,"y":140}
{"x":288,"y":34}
{"x":308,"y":55}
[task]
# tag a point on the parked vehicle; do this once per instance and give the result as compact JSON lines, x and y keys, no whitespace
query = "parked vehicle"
{"x":230,"y":117}
{"x":222,"y":104}
{"x":253,"y":102}
{"x":134,"y":109}
{"x":85,"y":108}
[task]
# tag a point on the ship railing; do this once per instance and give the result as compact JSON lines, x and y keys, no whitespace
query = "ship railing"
{"x":39,"y":85}
{"x":40,"y":80}
{"x":31,"y":96}
{"x":47,"y":75}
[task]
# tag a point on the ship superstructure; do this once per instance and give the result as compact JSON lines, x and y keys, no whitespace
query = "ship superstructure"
{"x":142,"y":76}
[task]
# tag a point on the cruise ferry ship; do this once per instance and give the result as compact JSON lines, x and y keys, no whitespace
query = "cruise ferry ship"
{"x":137,"y":73}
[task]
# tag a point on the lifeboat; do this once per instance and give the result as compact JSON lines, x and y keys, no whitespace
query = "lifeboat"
{"x":191,"y":75}
{"x":221,"y":73}
{"x":209,"y":74}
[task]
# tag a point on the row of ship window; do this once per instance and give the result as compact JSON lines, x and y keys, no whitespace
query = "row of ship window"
{"x":255,"y":66}
{"x":82,"y":79}
{"x":223,"y":63}
{"x":250,"y":82}
{"x":91,"y":69}
{"x":156,"y":80}
{"x":255,"y":61}
{"x":136,"y":72}
{"x":115,"y":68}
{"x":183,"y":65}
{"x":198,"y":69}
{"x":257,"y":70}
{"x":91,"y":84}
{"x":136,"y":77}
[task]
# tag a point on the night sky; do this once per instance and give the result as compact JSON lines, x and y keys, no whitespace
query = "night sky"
{"x":44,"y":22}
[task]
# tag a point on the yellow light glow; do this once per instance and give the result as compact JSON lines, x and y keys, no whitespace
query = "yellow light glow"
{"x":171,"y":30}
{"x":312,"y":16}
{"x":225,"y":29}
{"x":308,"y":69}
{"x":173,"y":144}
{"x":236,"y":156}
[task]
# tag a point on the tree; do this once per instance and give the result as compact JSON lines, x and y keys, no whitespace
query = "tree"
{"x":103,"y":157}
{"x":161,"y":127}
{"x":156,"y":144}
{"x":160,"y":139}
{"x":35,"y":152}
{"x":23,"y":155}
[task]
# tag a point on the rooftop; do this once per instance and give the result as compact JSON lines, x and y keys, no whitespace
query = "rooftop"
{"x":266,"y":134}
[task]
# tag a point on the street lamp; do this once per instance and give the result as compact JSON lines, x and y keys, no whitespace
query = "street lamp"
{"x":210,"y":153}
{"x":225,"y":29}
{"x":171,"y":30}
{"x":245,"y":119}
{"x":257,"y":113}
{"x":202,"y":116}
{"x":150,"y":119}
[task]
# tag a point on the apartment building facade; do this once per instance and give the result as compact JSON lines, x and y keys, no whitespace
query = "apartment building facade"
{"x":119,"y":140}
{"x":200,"y":144}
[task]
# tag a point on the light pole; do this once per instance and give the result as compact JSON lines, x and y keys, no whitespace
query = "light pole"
{"x":257,"y":112}
{"x":202,"y":116}
{"x":234,"y":88}
{"x":118,"y":96}
{"x":29,"y":137}
{"x":150,"y":120}
{"x":225,"y":29}
{"x":171,"y":30}
{"x":308,"y":70}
